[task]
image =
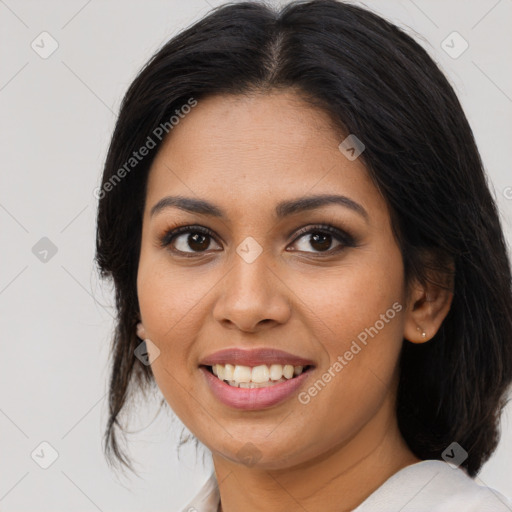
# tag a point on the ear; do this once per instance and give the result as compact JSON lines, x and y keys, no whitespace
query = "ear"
{"x":141,"y":332}
{"x":428,"y":304}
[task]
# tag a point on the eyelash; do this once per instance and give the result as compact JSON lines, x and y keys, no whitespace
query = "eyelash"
{"x":341,"y":236}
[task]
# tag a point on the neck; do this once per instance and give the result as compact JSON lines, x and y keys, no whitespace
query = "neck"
{"x":336,"y":481}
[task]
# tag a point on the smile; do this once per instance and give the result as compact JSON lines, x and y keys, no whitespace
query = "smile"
{"x":254,"y":395}
{"x":256,"y":377}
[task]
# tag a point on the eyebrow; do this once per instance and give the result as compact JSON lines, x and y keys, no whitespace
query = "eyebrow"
{"x":283,"y":209}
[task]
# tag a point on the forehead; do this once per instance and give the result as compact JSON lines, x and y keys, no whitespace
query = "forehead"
{"x":247,"y":150}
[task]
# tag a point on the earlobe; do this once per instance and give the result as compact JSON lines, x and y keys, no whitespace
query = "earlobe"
{"x":423,"y":333}
{"x":141,"y":332}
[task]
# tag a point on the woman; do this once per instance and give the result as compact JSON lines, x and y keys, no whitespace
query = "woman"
{"x":297,"y":223}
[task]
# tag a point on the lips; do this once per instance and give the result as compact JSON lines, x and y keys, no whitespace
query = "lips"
{"x":255,"y":357}
{"x":246,"y":399}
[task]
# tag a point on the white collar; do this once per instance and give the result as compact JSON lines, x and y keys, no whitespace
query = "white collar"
{"x":426,"y":486}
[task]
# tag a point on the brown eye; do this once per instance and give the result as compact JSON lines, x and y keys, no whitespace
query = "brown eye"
{"x":194,"y":240}
{"x":322,"y":237}
{"x":188,"y":239}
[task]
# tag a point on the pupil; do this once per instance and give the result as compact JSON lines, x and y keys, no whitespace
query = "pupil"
{"x":325,"y":244}
{"x":200,"y":239}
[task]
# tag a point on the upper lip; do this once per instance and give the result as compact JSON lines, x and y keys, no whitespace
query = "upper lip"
{"x":254,"y":357}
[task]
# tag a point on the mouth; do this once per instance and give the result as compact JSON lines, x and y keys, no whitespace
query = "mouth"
{"x":239,"y":391}
{"x":261,"y":376}
{"x":255,"y":379}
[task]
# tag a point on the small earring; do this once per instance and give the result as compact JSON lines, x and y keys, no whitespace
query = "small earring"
{"x":423,"y":333}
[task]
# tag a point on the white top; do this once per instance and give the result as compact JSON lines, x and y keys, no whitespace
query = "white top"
{"x":427,"y":486}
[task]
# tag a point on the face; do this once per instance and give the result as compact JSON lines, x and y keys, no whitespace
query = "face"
{"x":257,"y":278}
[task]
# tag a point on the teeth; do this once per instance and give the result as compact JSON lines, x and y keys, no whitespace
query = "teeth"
{"x":257,"y":376}
{"x":252,"y":385}
{"x":288,"y":371}
{"x":276,"y":371}
{"x":241,"y":373}
{"x":260,"y":373}
{"x":229,"y":370}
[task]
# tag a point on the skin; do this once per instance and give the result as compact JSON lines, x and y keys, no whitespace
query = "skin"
{"x":246,"y":154}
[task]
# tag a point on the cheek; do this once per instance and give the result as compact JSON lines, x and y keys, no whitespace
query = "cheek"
{"x":169,"y":296}
{"x":347,"y":299}
{"x":167,"y":310}
{"x":354,"y":384}
{"x":357,"y":317}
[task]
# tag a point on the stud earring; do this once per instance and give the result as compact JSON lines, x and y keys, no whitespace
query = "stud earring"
{"x":423,"y":333}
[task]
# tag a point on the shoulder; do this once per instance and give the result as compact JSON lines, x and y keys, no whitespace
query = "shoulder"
{"x":434,"y":486}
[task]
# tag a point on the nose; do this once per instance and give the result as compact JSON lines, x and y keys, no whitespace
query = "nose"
{"x":253,"y":296}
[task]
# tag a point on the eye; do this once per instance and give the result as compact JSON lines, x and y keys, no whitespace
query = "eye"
{"x":322,"y":236}
{"x":192,"y":240}
{"x":197,"y":238}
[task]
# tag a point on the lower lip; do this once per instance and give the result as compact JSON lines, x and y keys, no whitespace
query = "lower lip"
{"x":256,"y":398}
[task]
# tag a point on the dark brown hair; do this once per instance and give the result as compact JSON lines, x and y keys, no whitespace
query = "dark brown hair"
{"x":376,"y":82}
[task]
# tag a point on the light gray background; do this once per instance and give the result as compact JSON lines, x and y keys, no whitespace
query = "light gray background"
{"x":57,"y":115}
